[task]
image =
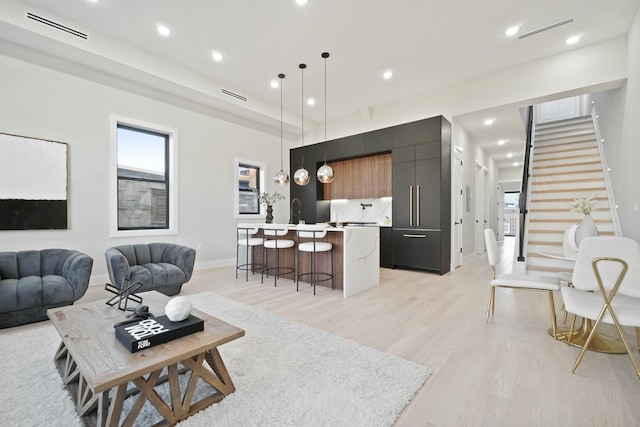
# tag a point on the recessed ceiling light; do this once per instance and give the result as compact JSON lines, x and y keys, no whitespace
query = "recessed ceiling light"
{"x":301,"y":2}
{"x":311,"y":101}
{"x":489,"y":122}
{"x":163,"y":30}
{"x":516,"y":164}
{"x":274,"y":84}
{"x":502,"y":141}
{"x":509,"y":155}
{"x":387,"y":74}
{"x":572,"y":40}
{"x":92,"y":1}
{"x":512,"y":31}
{"x":217,"y":56}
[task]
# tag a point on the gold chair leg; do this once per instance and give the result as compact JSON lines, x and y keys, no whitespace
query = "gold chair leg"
{"x":590,"y":337}
{"x":552,"y":308}
{"x":638,"y":337}
{"x":492,"y":302}
{"x":571,"y":328}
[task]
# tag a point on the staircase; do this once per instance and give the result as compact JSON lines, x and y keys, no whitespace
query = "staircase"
{"x":566,"y":165}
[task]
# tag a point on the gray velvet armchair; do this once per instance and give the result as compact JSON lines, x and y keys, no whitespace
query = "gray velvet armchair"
{"x":163,"y":267}
{"x":31,"y":282}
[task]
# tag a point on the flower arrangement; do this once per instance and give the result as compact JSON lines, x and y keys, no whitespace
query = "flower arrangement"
{"x":268,"y":199}
{"x":583,"y":205}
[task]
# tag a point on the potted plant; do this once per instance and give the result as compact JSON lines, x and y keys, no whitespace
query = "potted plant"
{"x":268,"y":199}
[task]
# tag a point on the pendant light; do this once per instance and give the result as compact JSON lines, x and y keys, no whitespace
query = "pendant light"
{"x":325,"y":173}
{"x":301,"y":176}
{"x":281,"y":178}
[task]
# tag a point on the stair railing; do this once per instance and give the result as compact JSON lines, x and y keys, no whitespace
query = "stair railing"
{"x":607,"y":179}
{"x":525,"y":186}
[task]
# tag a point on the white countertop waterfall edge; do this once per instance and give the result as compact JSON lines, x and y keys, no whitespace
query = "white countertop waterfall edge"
{"x":361,"y":259}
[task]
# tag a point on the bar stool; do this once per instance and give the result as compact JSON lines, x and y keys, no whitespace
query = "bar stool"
{"x":244,"y":233}
{"x":276,"y":231}
{"x":315,"y":232}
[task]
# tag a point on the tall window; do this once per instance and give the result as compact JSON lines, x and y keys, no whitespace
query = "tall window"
{"x":249,"y":182}
{"x":143,"y":178}
{"x":248,"y":189}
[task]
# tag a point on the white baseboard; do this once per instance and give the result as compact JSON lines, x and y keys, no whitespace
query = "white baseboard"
{"x":101,"y":279}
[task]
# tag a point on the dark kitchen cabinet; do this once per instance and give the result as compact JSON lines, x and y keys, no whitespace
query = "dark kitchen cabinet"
{"x":422,"y":195}
{"x":386,"y":247}
{"x":416,"y":248}
{"x":421,"y":188}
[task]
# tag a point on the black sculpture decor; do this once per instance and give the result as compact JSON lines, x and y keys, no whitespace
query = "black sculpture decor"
{"x":123,"y":295}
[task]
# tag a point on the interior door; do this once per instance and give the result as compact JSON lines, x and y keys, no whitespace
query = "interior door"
{"x":458,"y":203}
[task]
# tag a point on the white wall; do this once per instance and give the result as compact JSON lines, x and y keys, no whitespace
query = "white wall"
{"x":624,"y":159}
{"x":42,"y":103}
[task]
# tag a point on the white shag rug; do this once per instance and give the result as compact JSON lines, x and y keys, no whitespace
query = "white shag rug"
{"x":286,"y":374}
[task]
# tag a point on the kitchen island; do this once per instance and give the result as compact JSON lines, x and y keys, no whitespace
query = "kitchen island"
{"x":356,"y":252}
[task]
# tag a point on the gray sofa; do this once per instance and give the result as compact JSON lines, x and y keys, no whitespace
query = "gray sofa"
{"x":33,"y":281}
{"x":163,"y":267}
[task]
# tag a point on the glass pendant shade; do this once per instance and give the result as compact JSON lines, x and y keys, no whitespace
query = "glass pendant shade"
{"x":281,"y":178}
{"x":301,"y":176}
{"x":325,"y":174}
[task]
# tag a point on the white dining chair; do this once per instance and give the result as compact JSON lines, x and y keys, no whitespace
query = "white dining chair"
{"x":606,"y":288}
{"x":546,"y":284}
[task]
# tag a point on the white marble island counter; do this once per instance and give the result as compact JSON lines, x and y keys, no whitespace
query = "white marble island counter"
{"x":360,"y":257}
{"x":356,"y":255}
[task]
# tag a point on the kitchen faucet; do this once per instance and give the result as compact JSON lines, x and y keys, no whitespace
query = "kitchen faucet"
{"x":295,"y":202}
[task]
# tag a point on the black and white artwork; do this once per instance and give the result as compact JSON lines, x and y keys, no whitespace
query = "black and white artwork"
{"x":33,"y":183}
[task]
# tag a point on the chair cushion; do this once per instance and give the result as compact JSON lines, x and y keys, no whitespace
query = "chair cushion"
{"x":279,"y":244}
{"x":526,"y":281}
{"x":589,"y":304}
{"x":319,"y":247}
{"x":251,"y":241}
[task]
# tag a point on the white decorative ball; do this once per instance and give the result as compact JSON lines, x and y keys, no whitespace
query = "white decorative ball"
{"x":178,"y":309}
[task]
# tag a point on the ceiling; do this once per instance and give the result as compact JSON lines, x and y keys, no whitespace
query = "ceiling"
{"x":426,"y":43}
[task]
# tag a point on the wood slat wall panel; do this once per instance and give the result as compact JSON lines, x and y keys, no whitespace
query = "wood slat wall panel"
{"x":362,"y":178}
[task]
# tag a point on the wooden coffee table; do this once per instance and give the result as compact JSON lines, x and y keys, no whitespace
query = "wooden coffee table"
{"x":96,"y":368}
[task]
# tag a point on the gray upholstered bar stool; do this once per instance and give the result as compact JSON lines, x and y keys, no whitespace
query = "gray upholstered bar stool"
{"x":245,"y":233}
{"x":314,"y":233}
{"x":275,"y":233}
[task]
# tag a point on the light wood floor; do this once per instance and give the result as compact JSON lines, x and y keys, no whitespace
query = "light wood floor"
{"x":508,"y":372}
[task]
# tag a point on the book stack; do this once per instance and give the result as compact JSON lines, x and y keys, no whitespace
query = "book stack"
{"x":147,"y":333}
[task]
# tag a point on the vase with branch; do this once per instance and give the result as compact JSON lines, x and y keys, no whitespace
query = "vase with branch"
{"x":268,"y":200}
{"x":587,"y":227}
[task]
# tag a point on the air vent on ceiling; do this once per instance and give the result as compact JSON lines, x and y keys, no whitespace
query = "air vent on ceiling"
{"x":234,"y":95}
{"x":548,"y":27}
{"x":56,"y":25}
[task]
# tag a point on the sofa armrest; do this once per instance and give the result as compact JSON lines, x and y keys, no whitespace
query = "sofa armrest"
{"x":184,"y":258}
{"x":118,"y":267}
{"x":77,"y":271}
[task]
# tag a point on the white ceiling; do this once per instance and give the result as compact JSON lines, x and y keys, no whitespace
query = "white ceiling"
{"x":426,"y":43}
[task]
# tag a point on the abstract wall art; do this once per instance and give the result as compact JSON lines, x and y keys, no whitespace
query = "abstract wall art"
{"x":33,"y":183}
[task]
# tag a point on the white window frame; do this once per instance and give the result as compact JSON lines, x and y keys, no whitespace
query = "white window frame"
{"x":116,"y":120}
{"x":236,"y":196}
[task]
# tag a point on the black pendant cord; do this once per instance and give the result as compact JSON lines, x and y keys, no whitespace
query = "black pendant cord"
{"x":281,"y":82}
{"x":325,"y":55}
{"x":302,"y":67}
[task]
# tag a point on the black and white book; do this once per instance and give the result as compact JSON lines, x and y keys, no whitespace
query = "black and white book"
{"x":147,"y":333}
